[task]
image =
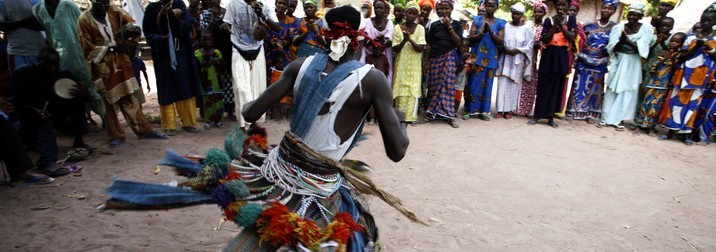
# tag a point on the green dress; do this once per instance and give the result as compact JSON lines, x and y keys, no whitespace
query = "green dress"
{"x":210,"y":87}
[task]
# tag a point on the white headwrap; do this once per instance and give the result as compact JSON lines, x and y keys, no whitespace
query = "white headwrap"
{"x":518,"y":7}
{"x":340,"y":45}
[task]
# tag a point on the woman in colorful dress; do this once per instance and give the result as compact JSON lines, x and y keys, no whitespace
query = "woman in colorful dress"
{"x":694,"y":75}
{"x":409,"y":40}
{"x":558,"y":34}
{"x":380,"y":29}
{"x":310,"y":38}
{"x":628,"y":44}
{"x":658,"y":83}
{"x":443,"y":39}
{"x":528,"y":92}
{"x":585,"y":101}
{"x":516,"y":63}
{"x":278,"y":46}
{"x":486,"y":37}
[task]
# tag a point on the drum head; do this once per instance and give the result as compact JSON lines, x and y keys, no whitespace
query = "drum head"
{"x":63,"y":88}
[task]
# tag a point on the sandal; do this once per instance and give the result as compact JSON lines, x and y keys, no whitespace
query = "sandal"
{"x":498,"y":115}
{"x":483,"y":117}
{"x":190,"y":129}
{"x":689,"y":142}
{"x":532,"y":122}
{"x":115,"y":143}
{"x":601,"y":124}
{"x":466,"y":116}
{"x":38,"y":180}
{"x":453,"y":123}
{"x":620,"y":128}
{"x":54,"y":170}
{"x":553,"y":124}
{"x":508,"y":116}
{"x":156,"y":135}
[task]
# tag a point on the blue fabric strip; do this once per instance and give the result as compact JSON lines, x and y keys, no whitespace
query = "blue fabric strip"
{"x":155,"y":194}
{"x":312,"y":93}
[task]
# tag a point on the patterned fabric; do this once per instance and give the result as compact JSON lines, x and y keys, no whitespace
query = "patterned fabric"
{"x":487,"y":50}
{"x":289,"y":30}
{"x":210,"y":87}
{"x":588,"y":85}
{"x":706,"y":116}
{"x":310,"y":45}
{"x":682,"y":107}
{"x":689,"y":82}
{"x":528,"y":91}
{"x":441,"y":85}
{"x":227,"y":86}
{"x":587,"y":95}
{"x":408,"y":73}
{"x":648,"y":114}
{"x":478,"y":92}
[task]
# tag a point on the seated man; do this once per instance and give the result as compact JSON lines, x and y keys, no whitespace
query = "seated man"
{"x":13,"y":154}
{"x":38,"y":106}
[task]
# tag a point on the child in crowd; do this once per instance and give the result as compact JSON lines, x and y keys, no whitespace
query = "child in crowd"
{"x":281,"y":110}
{"x":463,"y":67}
{"x":658,"y":85}
{"x":210,"y":63}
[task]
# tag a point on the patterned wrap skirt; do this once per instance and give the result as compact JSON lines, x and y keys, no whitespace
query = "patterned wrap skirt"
{"x":441,"y":86}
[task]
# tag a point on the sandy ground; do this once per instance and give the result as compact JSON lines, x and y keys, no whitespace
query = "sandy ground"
{"x":492,"y":186}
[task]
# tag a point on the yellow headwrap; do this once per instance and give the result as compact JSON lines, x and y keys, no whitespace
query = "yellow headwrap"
{"x":670,"y":2}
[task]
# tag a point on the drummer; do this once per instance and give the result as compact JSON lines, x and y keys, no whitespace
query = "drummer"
{"x":40,"y":108}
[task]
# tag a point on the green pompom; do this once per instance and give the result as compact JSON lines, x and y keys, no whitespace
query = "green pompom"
{"x":248,"y":215}
{"x":234,"y":142}
{"x":237,"y":188}
{"x":217,"y":158}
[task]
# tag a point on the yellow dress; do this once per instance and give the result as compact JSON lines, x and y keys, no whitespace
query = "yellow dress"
{"x":408,"y":73}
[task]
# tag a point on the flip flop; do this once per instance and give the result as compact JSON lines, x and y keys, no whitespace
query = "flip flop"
{"x":190,"y":129}
{"x":601,"y":124}
{"x":619,"y":128}
{"x":453,"y":123}
{"x":553,"y":124}
{"x":115,"y":143}
{"x":74,"y":168}
{"x":532,"y":122}
{"x":38,"y":180}
{"x":156,"y":135}
{"x":55,"y":171}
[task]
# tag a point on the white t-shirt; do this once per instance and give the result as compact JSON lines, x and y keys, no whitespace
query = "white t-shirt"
{"x":22,"y":41}
{"x":241,"y":17}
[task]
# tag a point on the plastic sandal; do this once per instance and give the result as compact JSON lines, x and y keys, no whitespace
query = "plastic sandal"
{"x":190,"y":129}
{"x":553,"y":124}
{"x":156,"y":135}
{"x":39,"y":180}
{"x":115,"y":143}
{"x":532,"y":122}
{"x":55,"y":170}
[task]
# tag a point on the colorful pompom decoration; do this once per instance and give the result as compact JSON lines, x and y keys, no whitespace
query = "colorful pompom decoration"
{"x":237,"y":188}
{"x":217,"y":158}
{"x":248,"y":214}
{"x":234,"y":143}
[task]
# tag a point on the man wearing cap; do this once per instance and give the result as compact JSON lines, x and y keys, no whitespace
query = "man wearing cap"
{"x":246,"y":21}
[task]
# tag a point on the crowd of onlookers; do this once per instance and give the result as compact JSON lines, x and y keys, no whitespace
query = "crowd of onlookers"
{"x":64,"y":64}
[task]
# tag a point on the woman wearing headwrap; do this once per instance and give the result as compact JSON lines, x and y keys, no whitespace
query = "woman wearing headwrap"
{"x":628,"y":45}
{"x":367,"y":9}
{"x":380,"y":29}
{"x":528,"y":92}
{"x":280,"y":52}
{"x":558,"y":34}
{"x":665,"y":6}
{"x":579,"y":43}
{"x":516,"y":62}
{"x":409,"y":42}
{"x":486,"y":36}
{"x":399,"y":12}
{"x":692,"y":82}
{"x":585,"y":101}
{"x":310,"y":38}
{"x":426,"y":7}
{"x":443,"y":39}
